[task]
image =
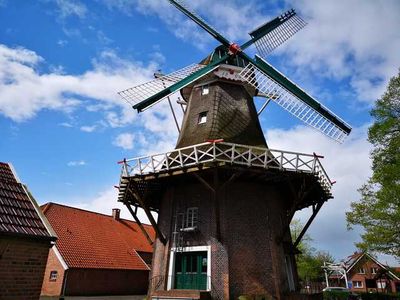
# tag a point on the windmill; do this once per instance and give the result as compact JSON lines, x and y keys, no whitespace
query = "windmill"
{"x":224,"y":199}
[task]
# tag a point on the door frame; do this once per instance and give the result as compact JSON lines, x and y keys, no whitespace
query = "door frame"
{"x":171,"y":267}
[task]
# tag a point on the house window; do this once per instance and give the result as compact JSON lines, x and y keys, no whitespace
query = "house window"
{"x":202,"y":117}
{"x":361,"y":271}
{"x":381,"y":284}
{"x":53,"y":276}
{"x":357,"y":284}
{"x":374,"y":270}
{"x":192,"y":217}
{"x":205,"y":89}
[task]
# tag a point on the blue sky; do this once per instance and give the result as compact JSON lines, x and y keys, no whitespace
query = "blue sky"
{"x":63,"y":126}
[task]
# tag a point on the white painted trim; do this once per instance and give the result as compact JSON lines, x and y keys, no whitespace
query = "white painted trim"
{"x":374,"y":260}
{"x":14,"y":172}
{"x":60,"y":259}
{"x":171,"y":269}
{"x":141,"y":259}
{"x":42,"y":217}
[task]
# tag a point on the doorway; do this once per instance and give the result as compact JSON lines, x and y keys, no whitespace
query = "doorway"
{"x":191,"y":270}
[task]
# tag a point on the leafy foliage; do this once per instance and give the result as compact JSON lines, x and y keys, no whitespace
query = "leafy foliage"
{"x":336,"y":295}
{"x":309,"y":261}
{"x":378,"y":211}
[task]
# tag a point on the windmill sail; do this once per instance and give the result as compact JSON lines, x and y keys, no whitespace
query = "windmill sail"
{"x":274,"y":33}
{"x":293,"y":99}
{"x":146,"y":90}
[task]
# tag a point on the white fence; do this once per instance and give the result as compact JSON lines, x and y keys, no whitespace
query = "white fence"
{"x":234,"y":154}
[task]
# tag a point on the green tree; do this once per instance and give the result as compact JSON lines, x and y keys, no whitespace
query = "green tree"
{"x":309,"y":261}
{"x":378,"y":210}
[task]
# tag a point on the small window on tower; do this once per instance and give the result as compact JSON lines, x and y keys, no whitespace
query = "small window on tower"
{"x":203,"y":117}
{"x":191,"y":217}
{"x":53,"y":276}
{"x":205,"y":89}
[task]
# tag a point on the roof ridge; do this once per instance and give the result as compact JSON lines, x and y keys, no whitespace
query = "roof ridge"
{"x":43,"y":206}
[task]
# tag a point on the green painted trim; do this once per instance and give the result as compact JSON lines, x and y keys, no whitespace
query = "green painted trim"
{"x":179,"y":85}
{"x":201,"y":23}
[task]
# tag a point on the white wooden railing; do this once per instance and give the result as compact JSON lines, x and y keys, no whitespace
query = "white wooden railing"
{"x":234,"y":154}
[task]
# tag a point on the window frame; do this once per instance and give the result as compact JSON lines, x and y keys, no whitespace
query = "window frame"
{"x":53,"y":275}
{"x":205,"y":89}
{"x":192,"y":217}
{"x":355,"y":284}
{"x":202,"y":118}
{"x":361,"y":270}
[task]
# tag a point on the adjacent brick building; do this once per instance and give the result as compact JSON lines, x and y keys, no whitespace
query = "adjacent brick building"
{"x":96,"y":254}
{"x":25,"y":239}
{"x":366,"y":274}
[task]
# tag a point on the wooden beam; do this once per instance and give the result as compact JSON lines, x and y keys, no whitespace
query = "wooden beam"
{"x":230,"y":180}
{"x":216,"y":205}
{"x":203,"y":181}
{"x":303,"y":231}
{"x":144,"y":232}
{"x":149,"y":215}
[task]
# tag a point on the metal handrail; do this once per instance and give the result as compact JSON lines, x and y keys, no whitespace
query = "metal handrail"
{"x":235,"y":154}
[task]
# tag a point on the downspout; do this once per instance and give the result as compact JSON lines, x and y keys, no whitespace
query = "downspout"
{"x":64,"y":285}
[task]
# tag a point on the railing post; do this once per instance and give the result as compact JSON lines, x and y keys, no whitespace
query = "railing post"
{"x":281,"y":162}
{"x":166,"y":161}
{"x":152,"y":164}
{"x":196,"y":155}
{"x":125,"y":167}
{"x":297,"y":162}
{"x":214,"y":151}
{"x":249,"y":158}
{"x":140,"y":167}
{"x":233,"y":153}
{"x":180,"y":157}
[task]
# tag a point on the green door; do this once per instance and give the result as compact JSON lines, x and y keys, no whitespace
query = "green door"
{"x":191,"y":270}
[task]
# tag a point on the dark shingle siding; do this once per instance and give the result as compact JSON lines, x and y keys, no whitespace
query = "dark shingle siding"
{"x":17,"y":213}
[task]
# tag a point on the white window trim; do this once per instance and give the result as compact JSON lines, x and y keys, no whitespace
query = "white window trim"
{"x":361,"y":269}
{"x":194,"y":210}
{"x":205,"y":89}
{"x":171,"y":268}
{"x":202,"y":118}
{"x":356,"y":286}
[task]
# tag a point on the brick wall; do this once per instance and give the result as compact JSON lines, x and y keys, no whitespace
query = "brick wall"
{"x":247,"y":259}
{"x":93,"y":282}
{"x":53,"y":287}
{"x":22,"y":266}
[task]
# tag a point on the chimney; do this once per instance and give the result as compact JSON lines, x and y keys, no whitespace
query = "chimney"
{"x":115,"y":213}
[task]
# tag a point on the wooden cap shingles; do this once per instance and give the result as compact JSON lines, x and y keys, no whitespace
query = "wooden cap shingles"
{"x":92,"y":240}
{"x":18,"y":215}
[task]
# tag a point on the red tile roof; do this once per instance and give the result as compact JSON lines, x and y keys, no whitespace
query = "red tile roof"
{"x":18,"y":215}
{"x":92,"y":240}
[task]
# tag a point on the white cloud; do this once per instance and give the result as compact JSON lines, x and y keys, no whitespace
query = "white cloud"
{"x":88,"y":128}
{"x":24,"y":91}
{"x":76,"y":163}
{"x":348,"y":164}
{"x":66,"y":124}
{"x":346,"y":40}
{"x":124,"y":140}
{"x":67,"y":8}
{"x":105,"y":201}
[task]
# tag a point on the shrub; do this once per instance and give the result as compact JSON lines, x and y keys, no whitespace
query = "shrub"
{"x":336,"y":295}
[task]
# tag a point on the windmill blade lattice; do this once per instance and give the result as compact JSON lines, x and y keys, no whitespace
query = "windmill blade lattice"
{"x":291,"y":103}
{"x":146,"y":90}
{"x":286,"y":24}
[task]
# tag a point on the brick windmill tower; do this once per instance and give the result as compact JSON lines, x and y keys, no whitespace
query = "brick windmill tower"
{"x":224,"y":199}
